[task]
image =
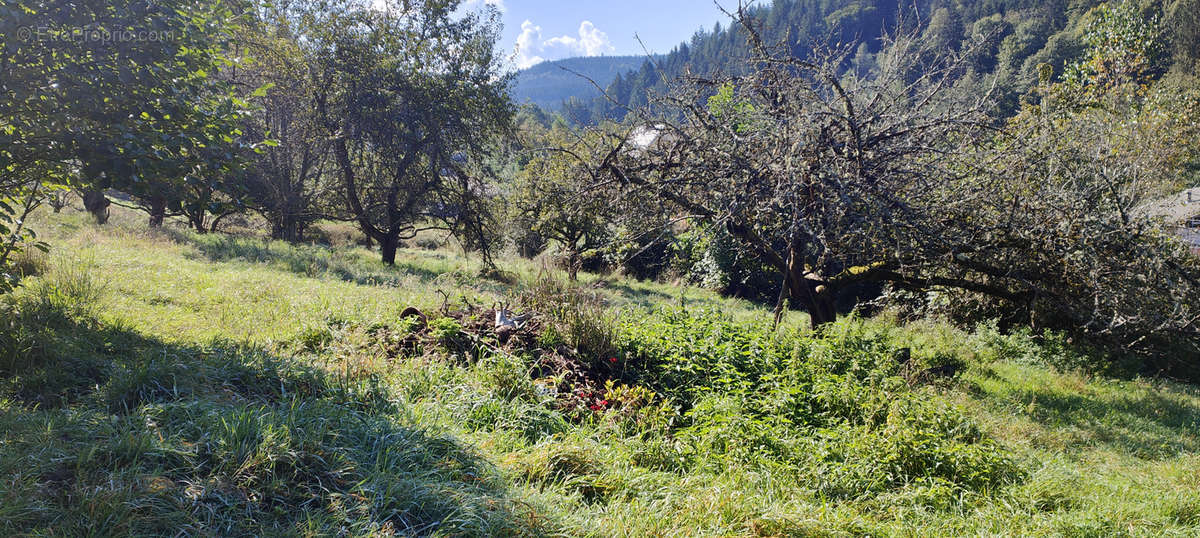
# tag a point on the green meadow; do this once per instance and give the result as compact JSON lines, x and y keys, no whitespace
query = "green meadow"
{"x":165,"y":382}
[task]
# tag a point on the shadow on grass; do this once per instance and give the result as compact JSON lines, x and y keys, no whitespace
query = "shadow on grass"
{"x":314,"y":261}
{"x":641,"y":297}
{"x":1146,"y":422}
{"x":110,"y":432}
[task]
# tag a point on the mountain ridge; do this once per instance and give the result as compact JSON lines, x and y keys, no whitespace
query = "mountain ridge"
{"x":549,"y":84}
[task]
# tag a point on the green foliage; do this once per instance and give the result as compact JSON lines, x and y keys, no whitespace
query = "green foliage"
{"x":125,"y":95}
{"x":18,"y":242}
{"x":1123,"y":47}
{"x":161,"y":404}
{"x":445,"y":330}
{"x":832,"y":408}
{"x":722,"y":265}
{"x":726,"y":107}
{"x":556,"y":198}
{"x":410,"y":120}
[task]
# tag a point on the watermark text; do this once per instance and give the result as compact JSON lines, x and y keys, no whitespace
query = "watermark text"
{"x":83,"y":35}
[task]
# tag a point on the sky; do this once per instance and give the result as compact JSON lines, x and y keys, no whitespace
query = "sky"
{"x":543,"y":30}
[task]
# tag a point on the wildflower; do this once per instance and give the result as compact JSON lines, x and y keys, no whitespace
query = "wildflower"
{"x":612,"y":359}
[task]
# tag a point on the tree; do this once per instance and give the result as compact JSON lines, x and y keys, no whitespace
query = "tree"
{"x":827,"y":177}
{"x":291,"y":175}
{"x":117,"y":95}
{"x":1073,"y":222}
{"x":1183,"y":19}
{"x":408,"y":93}
{"x":558,"y":199}
{"x":833,"y":180}
{"x":1077,"y":216}
{"x":1122,"y":47}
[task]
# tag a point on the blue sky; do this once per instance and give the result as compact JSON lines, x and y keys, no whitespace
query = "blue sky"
{"x":555,"y":29}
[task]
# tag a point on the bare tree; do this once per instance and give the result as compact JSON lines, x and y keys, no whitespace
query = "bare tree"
{"x":828,"y":176}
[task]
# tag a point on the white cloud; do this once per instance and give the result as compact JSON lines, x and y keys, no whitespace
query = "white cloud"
{"x":532,"y":49}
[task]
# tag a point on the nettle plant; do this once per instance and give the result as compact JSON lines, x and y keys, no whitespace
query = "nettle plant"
{"x":832,"y":408}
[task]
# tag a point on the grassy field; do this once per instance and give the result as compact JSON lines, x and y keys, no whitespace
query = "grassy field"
{"x":160,"y":382}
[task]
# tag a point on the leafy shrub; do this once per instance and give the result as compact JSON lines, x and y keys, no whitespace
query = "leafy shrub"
{"x":831,"y":408}
{"x":681,"y":354}
{"x":445,"y":330}
{"x":921,"y":439}
{"x":1054,"y":349}
{"x":637,"y":410}
{"x":724,"y":266}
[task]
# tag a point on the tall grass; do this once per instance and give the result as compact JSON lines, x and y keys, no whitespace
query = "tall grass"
{"x":159,"y":383}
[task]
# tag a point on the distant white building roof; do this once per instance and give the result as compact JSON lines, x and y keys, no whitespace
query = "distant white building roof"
{"x":1179,"y":211}
{"x":644,"y":136}
{"x":1175,"y":209}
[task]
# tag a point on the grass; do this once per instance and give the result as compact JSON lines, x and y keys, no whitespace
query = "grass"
{"x":161,"y":382}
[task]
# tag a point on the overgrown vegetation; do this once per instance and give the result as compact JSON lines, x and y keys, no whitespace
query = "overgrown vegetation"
{"x":995,"y":271}
{"x":133,"y":402}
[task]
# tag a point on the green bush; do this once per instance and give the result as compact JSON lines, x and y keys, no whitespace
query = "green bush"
{"x":725,"y":266}
{"x":831,"y":408}
{"x":445,"y":330}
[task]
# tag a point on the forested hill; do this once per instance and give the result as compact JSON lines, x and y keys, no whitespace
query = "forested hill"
{"x":1018,"y":34}
{"x":549,"y":84}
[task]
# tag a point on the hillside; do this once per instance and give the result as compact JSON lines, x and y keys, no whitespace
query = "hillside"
{"x":549,"y":84}
{"x":1012,"y":36}
{"x":165,"y":382}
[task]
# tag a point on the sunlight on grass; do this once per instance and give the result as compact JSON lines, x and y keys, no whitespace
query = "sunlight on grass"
{"x":166,"y":370}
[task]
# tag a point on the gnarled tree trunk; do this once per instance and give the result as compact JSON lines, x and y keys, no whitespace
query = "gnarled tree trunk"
{"x":158,"y":211}
{"x":96,"y":203}
{"x":388,"y":244}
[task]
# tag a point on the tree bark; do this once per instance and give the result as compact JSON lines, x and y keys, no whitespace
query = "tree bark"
{"x":815,"y":296}
{"x":158,"y":211}
{"x":97,"y":204}
{"x":573,"y":263}
{"x":287,"y":228}
{"x":197,"y":222}
{"x":387,"y":246}
{"x":811,"y":291}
